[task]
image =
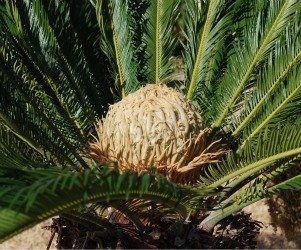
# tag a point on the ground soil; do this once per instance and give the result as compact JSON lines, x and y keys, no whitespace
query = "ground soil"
{"x":34,"y":238}
{"x":269,"y":237}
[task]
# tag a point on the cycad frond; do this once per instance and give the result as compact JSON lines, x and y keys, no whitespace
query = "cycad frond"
{"x":284,"y":106}
{"x":159,"y":38}
{"x":259,"y":37}
{"x":285,"y":57}
{"x":19,"y":143}
{"x":244,"y":178}
{"x":51,"y":92}
{"x":268,"y":148}
{"x":292,"y":183}
{"x":28,"y":108}
{"x":62,"y":63}
{"x":116,"y":42}
{"x":39,"y":194}
{"x":254,"y":193}
{"x":54,"y":61}
{"x":260,"y":187}
{"x":205,"y":29}
{"x":255,"y":178}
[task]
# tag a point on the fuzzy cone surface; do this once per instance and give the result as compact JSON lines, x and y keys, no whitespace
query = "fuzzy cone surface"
{"x":154,"y":127}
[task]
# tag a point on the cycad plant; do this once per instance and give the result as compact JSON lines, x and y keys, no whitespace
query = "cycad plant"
{"x":207,"y":100}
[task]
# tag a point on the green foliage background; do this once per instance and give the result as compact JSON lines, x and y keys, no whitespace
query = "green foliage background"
{"x":62,"y":63}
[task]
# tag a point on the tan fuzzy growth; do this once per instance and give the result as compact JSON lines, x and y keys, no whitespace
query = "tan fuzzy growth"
{"x":154,"y":127}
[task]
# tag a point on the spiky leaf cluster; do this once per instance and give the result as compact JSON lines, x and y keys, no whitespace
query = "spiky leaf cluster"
{"x":62,"y":63}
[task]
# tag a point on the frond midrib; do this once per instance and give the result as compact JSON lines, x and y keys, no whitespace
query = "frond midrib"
{"x":71,"y":118}
{"x":118,"y":62}
{"x":255,"y":165}
{"x":215,"y":216}
{"x":102,"y":196}
{"x":14,"y":129}
{"x":269,"y":117}
{"x":201,"y":48}
{"x":158,"y":42}
{"x":50,"y":123}
{"x":264,"y":98}
{"x":68,"y":71}
{"x":248,"y":72}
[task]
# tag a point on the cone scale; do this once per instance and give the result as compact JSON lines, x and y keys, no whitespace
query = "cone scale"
{"x":154,"y":127}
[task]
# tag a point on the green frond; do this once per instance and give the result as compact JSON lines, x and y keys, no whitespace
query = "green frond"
{"x":259,"y":37}
{"x":62,"y":63}
{"x":44,"y":24}
{"x":53,"y":83}
{"x":159,"y":38}
{"x":62,"y":57}
{"x":244,"y":178}
{"x":260,"y":187}
{"x":269,"y":147}
{"x":26,"y":108}
{"x":115,"y":41}
{"x":11,"y":18}
{"x":137,"y":12}
{"x":281,"y":62}
{"x":292,"y":183}
{"x":39,"y":194}
{"x":206,"y":25}
{"x":19,"y":144}
{"x":285,"y":106}
{"x":255,"y":192}
{"x":255,"y":182}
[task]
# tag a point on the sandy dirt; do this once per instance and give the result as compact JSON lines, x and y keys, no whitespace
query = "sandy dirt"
{"x":34,"y":238}
{"x":269,"y":236}
{"x":38,"y":238}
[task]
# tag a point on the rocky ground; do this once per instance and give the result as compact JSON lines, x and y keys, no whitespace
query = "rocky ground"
{"x":270,"y":237}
